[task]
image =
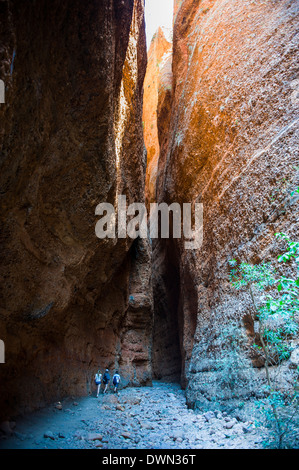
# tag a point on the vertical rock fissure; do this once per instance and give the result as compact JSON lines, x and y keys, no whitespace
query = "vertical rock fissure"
{"x":168,"y":316}
{"x":167,"y":357}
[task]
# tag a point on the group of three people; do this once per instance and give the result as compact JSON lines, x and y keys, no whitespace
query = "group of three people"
{"x":106,"y":380}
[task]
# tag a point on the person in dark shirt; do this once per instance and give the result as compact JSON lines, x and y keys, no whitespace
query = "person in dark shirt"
{"x":106,"y":380}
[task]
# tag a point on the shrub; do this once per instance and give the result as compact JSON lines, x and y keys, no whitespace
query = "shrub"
{"x":275,"y":301}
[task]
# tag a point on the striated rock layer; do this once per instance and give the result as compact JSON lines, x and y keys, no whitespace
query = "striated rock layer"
{"x":157,"y":78}
{"x":229,"y":142}
{"x":71,"y":137}
{"x":156,"y":116}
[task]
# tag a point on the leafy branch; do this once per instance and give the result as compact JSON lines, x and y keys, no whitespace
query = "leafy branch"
{"x":275,"y":301}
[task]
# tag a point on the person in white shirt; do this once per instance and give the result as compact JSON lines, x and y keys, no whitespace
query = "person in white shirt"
{"x":116,"y":380}
{"x":98,"y":381}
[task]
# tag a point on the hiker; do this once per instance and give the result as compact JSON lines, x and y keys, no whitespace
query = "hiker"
{"x":116,"y":380}
{"x":106,"y":380}
{"x":98,"y":381}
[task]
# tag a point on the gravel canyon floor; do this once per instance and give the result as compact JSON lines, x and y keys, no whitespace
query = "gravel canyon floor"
{"x":136,"y":418}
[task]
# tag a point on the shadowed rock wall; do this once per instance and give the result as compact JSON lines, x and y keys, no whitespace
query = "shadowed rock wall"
{"x":71,"y":137}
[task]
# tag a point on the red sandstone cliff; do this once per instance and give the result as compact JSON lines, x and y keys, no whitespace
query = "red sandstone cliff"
{"x":230,"y":144}
{"x":71,"y":137}
{"x":157,"y":76}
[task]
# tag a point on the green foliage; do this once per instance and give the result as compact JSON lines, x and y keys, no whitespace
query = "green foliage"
{"x":275,"y":300}
{"x":276,"y":308}
{"x":244,"y":274}
{"x":284,"y":186}
{"x":280,"y":413}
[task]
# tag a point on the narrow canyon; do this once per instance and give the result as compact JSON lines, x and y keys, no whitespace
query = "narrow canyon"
{"x":209,"y":117}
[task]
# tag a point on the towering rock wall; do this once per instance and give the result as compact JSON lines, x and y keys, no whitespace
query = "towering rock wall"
{"x":71,"y":137}
{"x":231,"y":145}
{"x":158,"y":75}
{"x":166,"y":355}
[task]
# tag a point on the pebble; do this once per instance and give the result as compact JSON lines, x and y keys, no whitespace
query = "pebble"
{"x":209,"y":415}
{"x":95,"y":437}
{"x":229,"y":424}
{"x":246,"y":429}
{"x":120,"y":408}
{"x":49,"y":435}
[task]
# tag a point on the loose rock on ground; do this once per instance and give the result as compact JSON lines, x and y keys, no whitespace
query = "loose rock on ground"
{"x":154,"y":417}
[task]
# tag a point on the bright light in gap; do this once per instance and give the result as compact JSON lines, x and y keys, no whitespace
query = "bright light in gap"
{"x":158,"y":13}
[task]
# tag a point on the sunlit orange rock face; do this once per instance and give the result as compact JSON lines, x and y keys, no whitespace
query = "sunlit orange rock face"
{"x":231,"y":145}
{"x":158,"y":74}
{"x":71,"y":138}
{"x":176,"y":6}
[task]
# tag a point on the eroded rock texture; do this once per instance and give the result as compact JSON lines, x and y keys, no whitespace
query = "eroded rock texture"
{"x":158,"y":78}
{"x":166,"y":353}
{"x":232,"y":146}
{"x":71,"y":137}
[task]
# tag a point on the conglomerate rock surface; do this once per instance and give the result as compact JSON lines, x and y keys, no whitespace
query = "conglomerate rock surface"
{"x":157,"y":78}
{"x":231,"y":145}
{"x":71,"y":138}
